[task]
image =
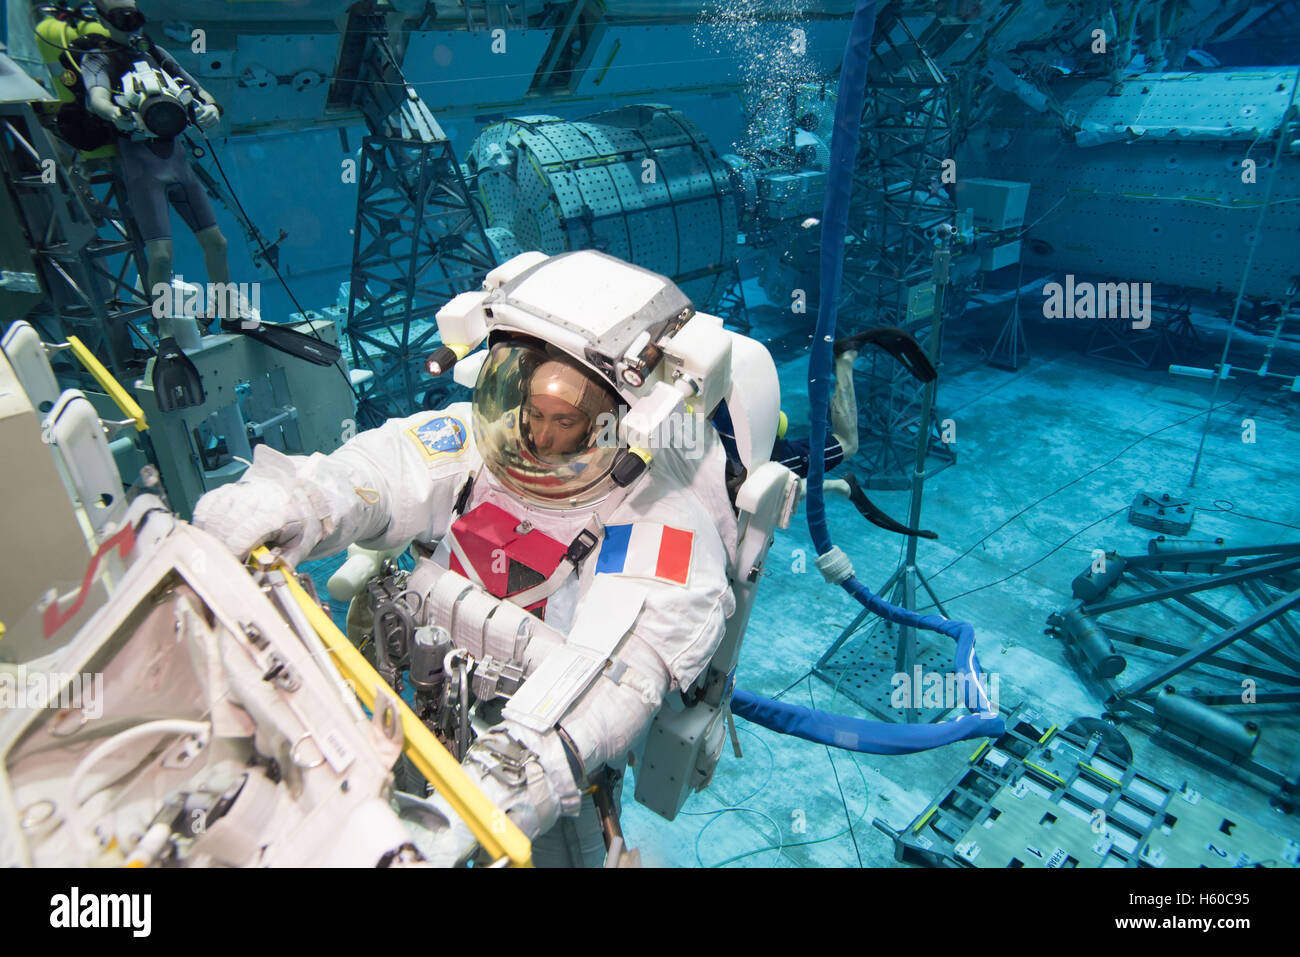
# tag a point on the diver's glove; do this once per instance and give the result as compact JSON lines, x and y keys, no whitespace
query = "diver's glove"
{"x":124,"y":120}
{"x":207,"y":116}
{"x":268,"y":506}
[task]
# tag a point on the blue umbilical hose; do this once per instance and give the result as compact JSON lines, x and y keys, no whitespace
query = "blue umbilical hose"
{"x":854,"y":734}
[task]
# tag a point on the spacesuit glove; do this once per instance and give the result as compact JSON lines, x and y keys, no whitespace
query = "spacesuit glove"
{"x":442,"y":838}
{"x":260,"y":512}
{"x":515,"y":778}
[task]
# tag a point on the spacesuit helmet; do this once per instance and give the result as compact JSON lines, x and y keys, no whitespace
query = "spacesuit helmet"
{"x":545,"y":425}
{"x":631,"y":331}
{"x":120,"y":14}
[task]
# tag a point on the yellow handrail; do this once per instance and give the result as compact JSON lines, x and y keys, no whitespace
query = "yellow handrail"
{"x":499,"y":835}
{"x":110,"y":385}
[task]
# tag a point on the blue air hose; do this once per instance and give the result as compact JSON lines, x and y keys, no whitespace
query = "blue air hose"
{"x":853,"y":734}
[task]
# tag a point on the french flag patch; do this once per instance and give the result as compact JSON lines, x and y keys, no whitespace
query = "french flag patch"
{"x":647,"y":551}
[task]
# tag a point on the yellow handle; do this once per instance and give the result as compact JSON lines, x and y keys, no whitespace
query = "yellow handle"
{"x":499,"y":835}
{"x":110,"y":385}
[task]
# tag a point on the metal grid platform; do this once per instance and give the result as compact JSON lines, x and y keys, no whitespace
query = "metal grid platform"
{"x":1047,"y":798}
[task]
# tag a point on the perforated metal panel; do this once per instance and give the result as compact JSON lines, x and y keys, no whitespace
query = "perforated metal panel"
{"x":640,"y":183}
{"x":1169,"y":205}
{"x":1236,"y":104}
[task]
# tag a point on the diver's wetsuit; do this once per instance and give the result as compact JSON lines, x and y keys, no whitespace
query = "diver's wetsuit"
{"x":156,"y":171}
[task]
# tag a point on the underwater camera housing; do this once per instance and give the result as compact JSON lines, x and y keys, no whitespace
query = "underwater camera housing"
{"x":160,"y":105}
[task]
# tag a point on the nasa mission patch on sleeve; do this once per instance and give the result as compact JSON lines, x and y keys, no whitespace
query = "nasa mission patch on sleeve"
{"x":443,"y":435}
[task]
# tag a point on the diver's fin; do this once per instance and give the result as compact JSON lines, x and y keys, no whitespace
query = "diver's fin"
{"x":288,"y":340}
{"x":898,"y":344}
{"x":176,"y":382}
{"x":875,"y":516}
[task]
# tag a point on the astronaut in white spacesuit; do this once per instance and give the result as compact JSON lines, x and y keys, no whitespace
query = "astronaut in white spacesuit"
{"x":619,"y":541}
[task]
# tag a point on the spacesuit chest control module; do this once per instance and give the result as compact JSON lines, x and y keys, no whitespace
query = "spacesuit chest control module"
{"x":580,"y":561}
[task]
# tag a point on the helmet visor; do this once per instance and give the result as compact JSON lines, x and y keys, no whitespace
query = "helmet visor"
{"x":546,"y":427}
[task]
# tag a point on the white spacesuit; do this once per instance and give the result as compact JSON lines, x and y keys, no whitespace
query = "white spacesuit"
{"x":629,"y":562}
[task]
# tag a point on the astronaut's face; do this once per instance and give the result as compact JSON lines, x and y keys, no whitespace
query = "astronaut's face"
{"x":537,"y":418}
{"x":555,"y":426}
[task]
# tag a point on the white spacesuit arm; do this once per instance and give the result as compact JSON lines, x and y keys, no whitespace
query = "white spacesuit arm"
{"x":382,"y":489}
{"x":614,"y":713}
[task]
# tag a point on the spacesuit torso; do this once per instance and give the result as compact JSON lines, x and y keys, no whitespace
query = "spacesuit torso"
{"x":401,"y":482}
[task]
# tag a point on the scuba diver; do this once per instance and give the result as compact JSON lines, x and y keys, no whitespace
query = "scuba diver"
{"x":149,"y":99}
{"x":631,"y":560}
